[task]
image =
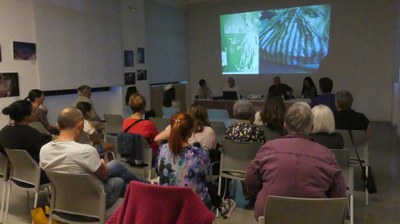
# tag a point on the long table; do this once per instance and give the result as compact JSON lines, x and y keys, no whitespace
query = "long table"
{"x":228,"y":104}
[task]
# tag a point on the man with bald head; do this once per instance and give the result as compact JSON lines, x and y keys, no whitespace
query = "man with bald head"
{"x":294,"y":165}
{"x":66,"y":155}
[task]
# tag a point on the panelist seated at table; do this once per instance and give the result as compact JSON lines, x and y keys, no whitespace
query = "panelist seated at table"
{"x":204,"y":92}
{"x":280,"y":89}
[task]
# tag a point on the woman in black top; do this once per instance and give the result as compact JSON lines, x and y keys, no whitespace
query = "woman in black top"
{"x":309,"y":91}
{"x":324,"y":127}
{"x":19,"y":135}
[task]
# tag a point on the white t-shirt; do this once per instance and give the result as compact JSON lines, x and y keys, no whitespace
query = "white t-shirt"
{"x":70,"y":157}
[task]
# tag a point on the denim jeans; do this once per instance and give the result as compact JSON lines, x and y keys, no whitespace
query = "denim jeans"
{"x":114,"y":188}
{"x":118,"y":177}
{"x":117,"y":169}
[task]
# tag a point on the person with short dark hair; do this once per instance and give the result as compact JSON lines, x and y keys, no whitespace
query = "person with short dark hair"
{"x":280,"y":89}
{"x":294,"y":165}
{"x":204,"y":92}
{"x":95,"y":140}
{"x":66,"y":155}
{"x":183,"y":164}
{"x":347,"y":118}
{"x":36,"y":97}
{"x":326,"y":98}
{"x":19,"y":135}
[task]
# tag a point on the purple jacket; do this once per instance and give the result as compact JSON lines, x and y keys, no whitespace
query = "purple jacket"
{"x":293,"y":166}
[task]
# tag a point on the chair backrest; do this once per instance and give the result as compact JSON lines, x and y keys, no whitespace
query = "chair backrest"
{"x":113,"y":123}
{"x":146,"y":152}
{"x":287,"y":210}
{"x":219,"y":115}
{"x":160,"y":123}
{"x":219,"y":130}
{"x":4,"y":167}
{"x":24,"y":168}
{"x":76,"y":194}
{"x":269,"y":134}
{"x":360,"y":142}
{"x":167,"y":112}
{"x":236,"y":156}
{"x":343,"y":159}
{"x":342,"y":156}
{"x":39,"y":126}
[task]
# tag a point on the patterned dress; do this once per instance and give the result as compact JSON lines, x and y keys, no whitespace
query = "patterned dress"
{"x":191,"y":169}
{"x":244,"y":131}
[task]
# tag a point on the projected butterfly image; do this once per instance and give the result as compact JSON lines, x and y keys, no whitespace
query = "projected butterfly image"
{"x":275,"y":41}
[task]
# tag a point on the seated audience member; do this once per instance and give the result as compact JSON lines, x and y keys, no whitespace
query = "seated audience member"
{"x":146,"y":128}
{"x":88,"y":128}
{"x":66,"y":155}
{"x":326,"y":98}
{"x":169,"y":97}
{"x":202,"y":132}
{"x":231,"y":86}
{"x":294,"y":165}
{"x":19,"y":135}
{"x":181,"y":164}
{"x":242,"y":129}
{"x":347,"y":118}
{"x":204,"y":92}
{"x":84,"y":94}
{"x":324,"y":127}
{"x":272,"y":114}
{"x":309,"y":91}
{"x":280,"y":89}
{"x":36,"y":97}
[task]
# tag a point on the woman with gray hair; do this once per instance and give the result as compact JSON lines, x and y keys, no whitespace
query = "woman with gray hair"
{"x":242,"y":129}
{"x":294,"y":165}
{"x":323,"y":130}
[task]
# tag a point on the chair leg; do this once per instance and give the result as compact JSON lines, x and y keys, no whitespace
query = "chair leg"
{"x":366,"y":190}
{"x":351,"y":209}
{"x":8,"y":202}
{"x":3,"y":197}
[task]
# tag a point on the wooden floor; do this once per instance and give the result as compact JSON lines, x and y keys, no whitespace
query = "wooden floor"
{"x":384,"y":207}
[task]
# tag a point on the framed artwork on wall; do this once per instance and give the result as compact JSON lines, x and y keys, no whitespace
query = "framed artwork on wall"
{"x":0,"y":53}
{"x":141,"y":75}
{"x":9,"y":84}
{"x":24,"y":51}
{"x":130,"y":78}
{"x":140,"y":55}
{"x":128,"y":58}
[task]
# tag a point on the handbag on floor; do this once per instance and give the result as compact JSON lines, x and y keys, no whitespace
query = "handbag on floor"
{"x":40,"y":215}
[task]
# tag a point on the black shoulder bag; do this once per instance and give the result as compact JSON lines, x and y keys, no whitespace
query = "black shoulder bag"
{"x":368,"y":179}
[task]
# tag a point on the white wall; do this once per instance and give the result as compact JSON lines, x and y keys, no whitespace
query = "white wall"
{"x":17,"y":23}
{"x":166,"y":31}
{"x":361,"y":54}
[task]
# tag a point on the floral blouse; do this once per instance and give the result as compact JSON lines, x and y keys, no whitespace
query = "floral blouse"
{"x":243,"y":131}
{"x":191,"y":169}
